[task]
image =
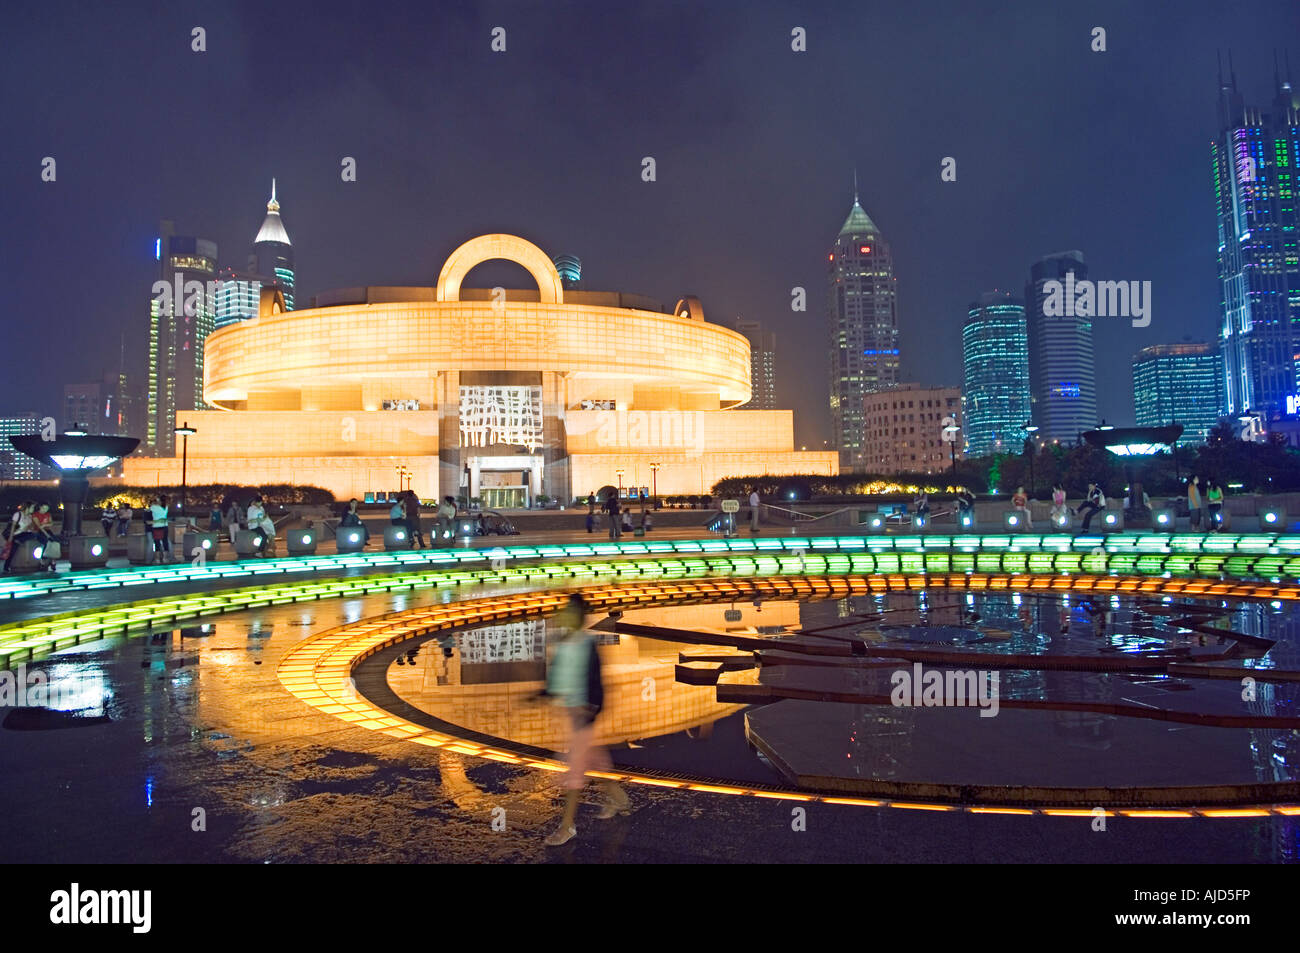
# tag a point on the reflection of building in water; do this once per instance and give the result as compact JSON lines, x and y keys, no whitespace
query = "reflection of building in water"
{"x":514,"y":652}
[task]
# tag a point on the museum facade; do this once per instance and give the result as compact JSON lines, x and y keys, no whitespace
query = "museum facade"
{"x":499,"y":394}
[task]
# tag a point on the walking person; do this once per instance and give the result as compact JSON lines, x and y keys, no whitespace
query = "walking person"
{"x":167,"y":528}
{"x":234,"y":519}
{"x":262,"y":524}
{"x":1094,"y":504}
{"x":573,"y":680}
{"x":158,"y":529}
{"x":614,"y":510}
{"x":125,"y":512}
{"x":1020,"y":503}
{"x":754,"y":504}
{"x":1214,"y":502}
{"x":106,"y":518}
{"x":1194,"y":501}
{"x":591,"y":512}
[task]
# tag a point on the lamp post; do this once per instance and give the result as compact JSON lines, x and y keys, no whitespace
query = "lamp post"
{"x":949,"y":428}
{"x":654,"y":479}
{"x":619,"y":472}
{"x":184,"y":431}
{"x":1030,"y":429}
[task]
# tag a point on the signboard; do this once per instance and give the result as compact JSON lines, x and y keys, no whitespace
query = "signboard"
{"x":731,"y":506}
{"x":599,"y":405}
{"x":401,"y":405}
{"x":501,"y":415}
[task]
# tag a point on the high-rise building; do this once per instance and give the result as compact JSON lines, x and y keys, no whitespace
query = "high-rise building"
{"x":570,"y":270}
{"x":864,"y":328}
{"x":15,"y":465}
{"x":102,"y":406}
{"x":995,"y":360}
{"x":272,"y":252}
{"x":762,"y":364}
{"x":1256,"y":156}
{"x":180,"y":319}
{"x":1062,"y":368}
{"x":238,"y":295}
{"x":1178,"y":384}
{"x":905,"y":429}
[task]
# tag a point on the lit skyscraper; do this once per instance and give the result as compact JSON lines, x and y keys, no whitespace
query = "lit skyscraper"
{"x":1255,"y":161}
{"x":179,"y":323}
{"x":762,"y":365}
{"x":15,"y":465}
{"x":995,"y":359}
{"x":238,"y":295}
{"x":272,"y":251}
{"x":864,"y":328}
{"x":1062,"y":369}
{"x":1178,"y":384}
{"x":570,"y":269}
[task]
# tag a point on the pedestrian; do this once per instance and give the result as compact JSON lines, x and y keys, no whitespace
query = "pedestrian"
{"x":125,"y":512}
{"x":106,"y":518}
{"x":1060,"y":511}
{"x":591,"y":512}
{"x":414,"y":529}
{"x":158,"y":529}
{"x":214,"y":518}
{"x":754,"y":504}
{"x":574,"y":681}
{"x":1020,"y":503}
{"x":614,"y":510}
{"x":22,"y":529}
{"x":261,"y":524}
{"x":234,"y":519}
{"x":1214,"y":502}
{"x":352,"y":517}
{"x":1194,"y":501}
{"x":921,"y":506}
{"x":397,"y":514}
{"x":1094,"y":504}
{"x":965,"y":507}
{"x":167,"y":528}
{"x":446,"y":521}
{"x":645,"y":516}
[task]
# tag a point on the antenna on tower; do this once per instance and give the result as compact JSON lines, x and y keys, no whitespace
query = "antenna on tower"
{"x":855,"y":185}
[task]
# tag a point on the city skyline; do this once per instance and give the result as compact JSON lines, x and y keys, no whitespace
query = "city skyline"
{"x":774,"y":172}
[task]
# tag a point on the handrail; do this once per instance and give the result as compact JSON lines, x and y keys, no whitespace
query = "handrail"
{"x":806,"y":517}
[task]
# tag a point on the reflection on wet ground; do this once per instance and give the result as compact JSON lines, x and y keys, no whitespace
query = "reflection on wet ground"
{"x":197,"y":723}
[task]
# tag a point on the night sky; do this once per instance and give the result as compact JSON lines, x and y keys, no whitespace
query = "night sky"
{"x":1057,"y":147}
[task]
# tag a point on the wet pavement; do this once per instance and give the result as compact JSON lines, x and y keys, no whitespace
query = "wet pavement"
{"x":200,"y":729}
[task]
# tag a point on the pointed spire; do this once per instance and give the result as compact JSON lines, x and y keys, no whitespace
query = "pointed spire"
{"x":272,"y":229}
{"x":855,"y":185}
{"x":273,"y":205}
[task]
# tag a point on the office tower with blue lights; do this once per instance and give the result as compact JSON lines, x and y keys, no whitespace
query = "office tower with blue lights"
{"x":15,"y":465}
{"x":863,"y":315}
{"x":1178,"y":384}
{"x":570,"y":269}
{"x":272,"y":252}
{"x":1062,"y":366}
{"x":1255,"y":160}
{"x":995,"y":387}
{"x":178,"y":327}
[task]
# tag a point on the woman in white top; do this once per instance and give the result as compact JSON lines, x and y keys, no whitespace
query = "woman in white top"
{"x":259,"y":521}
{"x":158,"y":528}
{"x":22,"y":528}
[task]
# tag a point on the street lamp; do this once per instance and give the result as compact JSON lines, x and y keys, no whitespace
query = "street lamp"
{"x":184,"y":431}
{"x":1030,"y":429}
{"x":620,"y":471}
{"x":949,"y":428}
{"x":654,"y":479}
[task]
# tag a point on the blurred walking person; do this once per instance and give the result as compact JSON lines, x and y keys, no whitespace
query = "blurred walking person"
{"x":1194,"y":501}
{"x":573,"y":681}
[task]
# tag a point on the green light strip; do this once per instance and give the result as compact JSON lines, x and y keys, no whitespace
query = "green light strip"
{"x":1136,"y":543}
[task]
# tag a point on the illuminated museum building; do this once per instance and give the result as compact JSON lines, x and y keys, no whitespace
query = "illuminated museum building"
{"x":501,"y":396}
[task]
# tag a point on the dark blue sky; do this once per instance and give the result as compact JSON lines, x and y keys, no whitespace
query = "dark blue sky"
{"x":1057,"y":147}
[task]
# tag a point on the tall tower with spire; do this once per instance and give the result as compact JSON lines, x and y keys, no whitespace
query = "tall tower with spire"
{"x":273,"y":251}
{"x":1256,"y":154}
{"x":863,"y":315}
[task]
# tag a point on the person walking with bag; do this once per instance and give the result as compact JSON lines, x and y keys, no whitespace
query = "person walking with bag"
{"x":573,"y":680}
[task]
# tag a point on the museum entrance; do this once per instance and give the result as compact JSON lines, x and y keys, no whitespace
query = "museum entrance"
{"x":505,"y":482}
{"x":503,"y":497}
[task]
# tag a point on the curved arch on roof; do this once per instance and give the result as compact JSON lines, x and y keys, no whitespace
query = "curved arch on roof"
{"x":505,"y":247}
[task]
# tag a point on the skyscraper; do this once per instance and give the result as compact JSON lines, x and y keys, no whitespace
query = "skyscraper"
{"x":1062,"y":369}
{"x":570,"y":269}
{"x":1255,"y":161}
{"x":864,"y":328}
{"x":15,"y":465}
{"x":1178,"y":384}
{"x":102,"y":406}
{"x":272,"y":251}
{"x":905,"y":429}
{"x":995,"y":360}
{"x":762,"y":364}
{"x":180,"y":319}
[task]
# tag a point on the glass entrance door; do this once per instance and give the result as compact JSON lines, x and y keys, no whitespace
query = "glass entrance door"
{"x":504,"y":497}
